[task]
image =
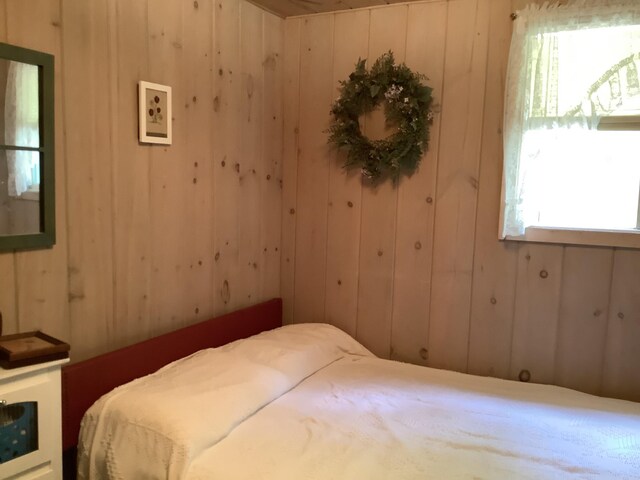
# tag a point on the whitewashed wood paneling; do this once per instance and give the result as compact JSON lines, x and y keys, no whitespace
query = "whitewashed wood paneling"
{"x":151,"y":238}
{"x":417,"y":271}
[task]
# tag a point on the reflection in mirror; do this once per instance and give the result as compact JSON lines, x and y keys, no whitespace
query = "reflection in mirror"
{"x":19,"y":169}
{"x":21,"y":119}
{"x":19,"y":213}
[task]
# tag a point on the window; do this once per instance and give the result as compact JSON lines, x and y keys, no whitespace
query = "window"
{"x":572,"y":125}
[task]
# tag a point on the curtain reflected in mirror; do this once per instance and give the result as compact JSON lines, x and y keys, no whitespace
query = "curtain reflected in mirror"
{"x":20,"y":157}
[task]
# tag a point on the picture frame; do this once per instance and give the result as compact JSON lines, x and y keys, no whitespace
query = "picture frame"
{"x":29,"y":348}
{"x":154,"y":111}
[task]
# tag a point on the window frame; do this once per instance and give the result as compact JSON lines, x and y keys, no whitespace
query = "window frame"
{"x":572,"y":236}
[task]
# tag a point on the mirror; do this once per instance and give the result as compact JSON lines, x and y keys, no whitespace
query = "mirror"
{"x":27,"y":200}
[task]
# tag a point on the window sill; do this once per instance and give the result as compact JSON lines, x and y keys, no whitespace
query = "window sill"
{"x":601,"y":238}
{"x":32,"y":195}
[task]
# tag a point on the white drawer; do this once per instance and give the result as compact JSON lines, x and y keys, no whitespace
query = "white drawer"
{"x":43,"y":473}
{"x":47,"y":474}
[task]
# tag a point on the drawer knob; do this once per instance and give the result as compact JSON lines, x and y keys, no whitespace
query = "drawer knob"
{"x":3,"y":403}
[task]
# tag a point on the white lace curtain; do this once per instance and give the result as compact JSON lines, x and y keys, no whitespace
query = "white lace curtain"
{"x":21,"y":126}
{"x":565,"y":72}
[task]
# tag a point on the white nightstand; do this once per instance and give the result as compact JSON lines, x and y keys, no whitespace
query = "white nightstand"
{"x":31,"y":431}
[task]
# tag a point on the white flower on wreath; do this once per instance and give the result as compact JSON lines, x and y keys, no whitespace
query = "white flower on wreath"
{"x":393,"y":92}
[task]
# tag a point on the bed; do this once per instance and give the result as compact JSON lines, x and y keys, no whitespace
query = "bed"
{"x":85,"y":382}
{"x":309,"y":402}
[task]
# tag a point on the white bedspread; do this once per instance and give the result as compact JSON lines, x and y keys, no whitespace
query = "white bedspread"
{"x":153,"y":427}
{"x":357,"y":417}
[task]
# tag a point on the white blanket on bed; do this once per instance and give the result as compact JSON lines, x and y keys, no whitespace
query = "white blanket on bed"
{"x":153,"y":427}
{"x":308,"y":402}
{"x":371,"y":419}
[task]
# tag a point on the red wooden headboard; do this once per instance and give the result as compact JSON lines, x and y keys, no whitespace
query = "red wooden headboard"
{"x":84,"y":382}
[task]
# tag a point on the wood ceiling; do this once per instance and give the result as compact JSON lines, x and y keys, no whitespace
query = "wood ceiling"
{"x":288,"y":8}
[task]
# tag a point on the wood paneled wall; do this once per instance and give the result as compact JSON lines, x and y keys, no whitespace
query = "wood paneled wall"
{"x":416,"y":272}
{"x":151,"y":238}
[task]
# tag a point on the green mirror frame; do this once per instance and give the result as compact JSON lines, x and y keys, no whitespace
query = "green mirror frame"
{"x":46,"y":237}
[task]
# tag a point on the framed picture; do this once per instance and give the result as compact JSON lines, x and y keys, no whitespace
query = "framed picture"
{"x":154,"y":109}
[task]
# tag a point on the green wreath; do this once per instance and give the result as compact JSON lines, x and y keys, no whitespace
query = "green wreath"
{"x":407,"y":105}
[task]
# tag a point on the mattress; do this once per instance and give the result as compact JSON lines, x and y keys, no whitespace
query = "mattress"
{"x":308,"y":402}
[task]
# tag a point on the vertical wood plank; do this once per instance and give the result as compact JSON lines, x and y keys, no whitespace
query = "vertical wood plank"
{"x":272,"y":123}
{"x":226,"y":153}
{"x":387,"y":31}
{"x":536,"y":310}
{"x":350,"y":42}
{"x":621,"y":376}
{"x":584,"y":311}
{"x":169,"y":188}
{"x":7,"y":260}
{"x":41,"y":275}
{"x":89,"y":159}
{"x":130,"y":174}
{"x":251,"y":164}
{"x":199,"y":137}
{"x":426,"y":33}
{"x":458,"y":162}
{"x":8,"y":294}
{"x":291,"y":93}
{"x":495,"y":262}
{"x":316,"y":93}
